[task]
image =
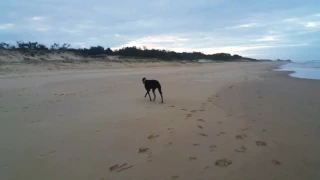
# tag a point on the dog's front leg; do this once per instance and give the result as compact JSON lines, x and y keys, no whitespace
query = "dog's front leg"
{"x":149,"y":96}
{"x":154,"y":95}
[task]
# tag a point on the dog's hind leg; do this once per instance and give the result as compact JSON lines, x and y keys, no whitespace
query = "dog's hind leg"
{"x":160,"y":92}
{"x":154,"y":94}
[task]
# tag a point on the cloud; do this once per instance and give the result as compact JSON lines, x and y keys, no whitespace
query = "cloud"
{"x":244,"y":27}
{"x":311,"y":24}
{"x":267,"y":39}
{"x":37,"y":18}
{"x":291,"y":20}
{"x":248,"y":25}
{"x":243,"y":49}
{"x":193,"y":43}
{"x":160,"y":42}
{"x":6,"y":26}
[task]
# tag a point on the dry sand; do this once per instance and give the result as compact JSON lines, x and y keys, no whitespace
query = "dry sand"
{"x":219,"y":121}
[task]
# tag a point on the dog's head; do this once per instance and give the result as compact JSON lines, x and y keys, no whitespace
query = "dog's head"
{"x":143,"y":79}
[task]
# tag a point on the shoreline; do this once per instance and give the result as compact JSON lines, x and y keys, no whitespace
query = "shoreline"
{"x":208,"y":127}
{"x":299,"y":72}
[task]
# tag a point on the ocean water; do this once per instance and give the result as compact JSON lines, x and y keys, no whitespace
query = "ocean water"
{"x":306,"y":69}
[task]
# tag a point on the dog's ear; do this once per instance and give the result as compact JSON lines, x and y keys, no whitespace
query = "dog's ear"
{"x":143,"y":79}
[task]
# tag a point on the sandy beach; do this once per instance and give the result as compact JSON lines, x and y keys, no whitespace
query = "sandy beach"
{"x":238,"y":120}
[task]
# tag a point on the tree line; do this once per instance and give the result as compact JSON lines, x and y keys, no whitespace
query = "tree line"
{"x":125,"y":51}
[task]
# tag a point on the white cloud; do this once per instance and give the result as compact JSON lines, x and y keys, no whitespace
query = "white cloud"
{"x":156,"y":41}
{"x":6,"y":26}
{"x":291,"y":20}
{"x":242,"y":49}
{"x":311,"y":24}
{"x":248,"y":25}
{"x":267,"y":39}
{"x":182,"y":44}
{"x":71,"y":31}
{"x":37,"y":18}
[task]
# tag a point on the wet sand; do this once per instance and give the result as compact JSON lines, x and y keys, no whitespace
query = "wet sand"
{"x":219,"y":121}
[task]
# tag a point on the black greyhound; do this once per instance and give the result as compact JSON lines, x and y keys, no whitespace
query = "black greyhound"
{"x":152,"y":84}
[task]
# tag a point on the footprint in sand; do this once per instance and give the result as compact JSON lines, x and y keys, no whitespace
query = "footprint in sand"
{"x":223,"y":162}
{"x":143,"y":150}
{"x":276,"y":162}
{"x":170,"y":130}
{"x":153,"y":136}
{"x":245,"y":129}
{"x":201,"y":110}
{"x":261,"y":143}
{"x":169,"y":144}
{"x":194,"y":111}
{"x":175,"y":177}
{"x":200,"y":127}
{"x":189,"y":115}
{"x":207,"y":167}
{"x":192,"y":158}
{"x":219,"y":122}
{"x":196,"y":144}
{"x":213,"y":147}
{"x":201,"y":120}
{"x":45,"y":155}
{"x":149,"y":158}
{"x":172,"y":106}
{"x":203,"y":134}
{"x":184,"y":109}
{"x":231,"y":87}
{"x":241,"y":136}
{"x":217,"y":95}
{"x":120,"y":168}
{"x":264,"y":130}
{"x":221,"y":133}
{"x":242,"y":149}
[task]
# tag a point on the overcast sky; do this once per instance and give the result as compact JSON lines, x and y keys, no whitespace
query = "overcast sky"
{"x":288,"y":29}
